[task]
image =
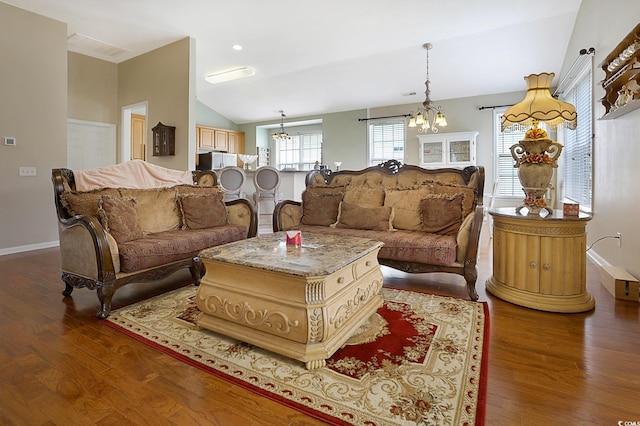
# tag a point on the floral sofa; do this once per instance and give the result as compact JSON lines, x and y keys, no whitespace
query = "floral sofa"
{"x":112,"y":236}
{"x":428,"y":219}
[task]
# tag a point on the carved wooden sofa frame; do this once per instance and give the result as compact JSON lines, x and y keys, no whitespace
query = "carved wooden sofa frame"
{"x":100,"y":273}
{"x":467,"y":267}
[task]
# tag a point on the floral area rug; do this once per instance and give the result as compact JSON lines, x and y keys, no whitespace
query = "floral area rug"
{"x":421,"y":359}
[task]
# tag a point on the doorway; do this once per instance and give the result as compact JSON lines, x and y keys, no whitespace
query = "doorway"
{"x":133,"y":144}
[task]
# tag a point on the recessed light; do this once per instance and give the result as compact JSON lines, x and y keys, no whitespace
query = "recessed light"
{"x":228,"y":75}
{"x":237,"y":47}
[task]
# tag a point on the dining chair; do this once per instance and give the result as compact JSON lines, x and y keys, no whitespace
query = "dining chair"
{"x":266,"y":180}
{"x":231,"y":180}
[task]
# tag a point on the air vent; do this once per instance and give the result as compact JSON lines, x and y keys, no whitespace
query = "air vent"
{"x":86,"y":45}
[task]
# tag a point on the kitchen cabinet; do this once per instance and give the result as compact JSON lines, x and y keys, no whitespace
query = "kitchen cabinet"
{"x":215,"y":139}
{"x":540,"y":262}
{"x":448,"y":149}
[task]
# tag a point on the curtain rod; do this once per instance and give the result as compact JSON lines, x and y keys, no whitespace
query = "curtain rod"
{"x":493,"y":107}
{"x":584,"y":53}
{"x":388,"y":116}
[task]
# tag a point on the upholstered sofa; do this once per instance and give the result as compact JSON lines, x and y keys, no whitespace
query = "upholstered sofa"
{"x":428,"y":219}
{"x":115,"y":235}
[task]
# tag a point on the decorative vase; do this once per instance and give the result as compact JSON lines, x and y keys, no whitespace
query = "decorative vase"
{"x":535,"y":158}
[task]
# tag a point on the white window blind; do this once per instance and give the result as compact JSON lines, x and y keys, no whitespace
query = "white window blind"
{"x":506,"y":174}
{"x":577,"y":152}
{"x":386,"y":141}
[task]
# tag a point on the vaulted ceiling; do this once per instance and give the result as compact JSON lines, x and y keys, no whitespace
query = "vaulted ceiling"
{"x":325,"y":56}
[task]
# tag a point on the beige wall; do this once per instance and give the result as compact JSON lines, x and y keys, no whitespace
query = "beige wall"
{"x":93,"y":89}
{"x":616,"y":201}
{"x":165,"y":78}
{"x":33,"y":109}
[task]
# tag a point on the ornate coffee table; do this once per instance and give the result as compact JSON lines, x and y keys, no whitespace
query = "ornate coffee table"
{"x":301,"y":302}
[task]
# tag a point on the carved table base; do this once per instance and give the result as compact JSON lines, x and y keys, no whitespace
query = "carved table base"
{"x":307,"y":313}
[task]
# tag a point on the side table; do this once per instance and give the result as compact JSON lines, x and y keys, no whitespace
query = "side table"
{"x":540,"y":262}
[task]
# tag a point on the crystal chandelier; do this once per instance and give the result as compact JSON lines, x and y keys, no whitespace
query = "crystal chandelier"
{"x":281,"y":134}
{"x":427,"y":117}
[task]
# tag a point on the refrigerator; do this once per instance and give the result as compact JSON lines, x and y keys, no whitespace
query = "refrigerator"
{"x":216,"y":160}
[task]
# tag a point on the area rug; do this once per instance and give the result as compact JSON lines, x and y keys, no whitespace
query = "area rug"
{"x":421,"y":359}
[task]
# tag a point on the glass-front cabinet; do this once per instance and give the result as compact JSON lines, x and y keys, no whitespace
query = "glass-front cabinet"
{"x":448,"y":149}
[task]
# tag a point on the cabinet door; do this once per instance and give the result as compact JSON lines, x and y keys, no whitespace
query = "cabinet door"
{"x":432,"y":153}
{"x":221,"y":140}
{"x":205,"y":137}
{"x":516,"y":259}
{"x":233,"y":143}
{"x":460,"y":151}
{"x":563,"y":265}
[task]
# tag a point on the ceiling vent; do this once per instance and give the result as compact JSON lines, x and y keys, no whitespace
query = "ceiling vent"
{"x":86,"y":45}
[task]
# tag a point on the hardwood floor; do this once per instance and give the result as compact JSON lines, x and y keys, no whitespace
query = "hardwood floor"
{"x":60,"y":365}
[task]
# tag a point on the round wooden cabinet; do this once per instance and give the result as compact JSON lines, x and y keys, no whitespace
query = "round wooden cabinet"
{"x":540,"y":262}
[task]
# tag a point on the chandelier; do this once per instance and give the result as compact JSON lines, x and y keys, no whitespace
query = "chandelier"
{"x":281,"y":134}
{"x":427,"y":117}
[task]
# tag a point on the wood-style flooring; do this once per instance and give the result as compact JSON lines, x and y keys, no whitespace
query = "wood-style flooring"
{"x":60,"y":366}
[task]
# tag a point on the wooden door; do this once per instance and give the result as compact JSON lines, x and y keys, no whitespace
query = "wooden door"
{"x":138,"y":136}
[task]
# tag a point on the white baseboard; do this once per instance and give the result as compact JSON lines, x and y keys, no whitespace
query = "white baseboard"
{"x":29,"y":247}
{"x":597,"y":259}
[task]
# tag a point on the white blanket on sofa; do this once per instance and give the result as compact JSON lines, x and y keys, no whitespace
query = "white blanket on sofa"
{"x":132,"y":174}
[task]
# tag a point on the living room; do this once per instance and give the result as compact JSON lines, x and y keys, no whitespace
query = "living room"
{"x":43,"y":86}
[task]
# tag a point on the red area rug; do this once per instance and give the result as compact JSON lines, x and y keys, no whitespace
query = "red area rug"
{"x":421,"y":359}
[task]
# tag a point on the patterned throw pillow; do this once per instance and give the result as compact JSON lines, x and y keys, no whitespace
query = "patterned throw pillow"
{"x":441,"y":214}
{"x":119,"y":218}
{"x":320,"y":205}
{"x":86,"y":203}
{"x":202,"y":211}
{"x":353,"y":216}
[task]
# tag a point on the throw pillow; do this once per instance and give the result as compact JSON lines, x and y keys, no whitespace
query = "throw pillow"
{"x":86,"y":203}
{"x":468,"y":195}
{"x":364,"y":196}
{"x":156,"y":207}
{"x":202,"y":211}
{"x":353,"y":216}
{"x":441,"y":215}
{"x":320,"y":205}
{"x":405,"y":203}
{"x":120,"y":218}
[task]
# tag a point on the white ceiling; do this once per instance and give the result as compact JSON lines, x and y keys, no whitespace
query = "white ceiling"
{"x":324,"y":56}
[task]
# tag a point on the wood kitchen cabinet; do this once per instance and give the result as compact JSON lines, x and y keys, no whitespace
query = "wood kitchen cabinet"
{"x":540,"y":262}
{"x":215,"y":139}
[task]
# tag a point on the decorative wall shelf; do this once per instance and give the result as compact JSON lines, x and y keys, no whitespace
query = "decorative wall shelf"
{"x":164,"y":140}
{"x":622,"y":77}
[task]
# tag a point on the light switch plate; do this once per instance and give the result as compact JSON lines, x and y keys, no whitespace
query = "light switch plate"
{"x":10,"y":141}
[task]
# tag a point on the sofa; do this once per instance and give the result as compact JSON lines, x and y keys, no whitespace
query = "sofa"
{"x":428,"y":219}
{"x":135,"y":222}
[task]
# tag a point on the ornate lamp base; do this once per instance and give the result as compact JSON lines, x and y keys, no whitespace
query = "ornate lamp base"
{"x":534,"y":201}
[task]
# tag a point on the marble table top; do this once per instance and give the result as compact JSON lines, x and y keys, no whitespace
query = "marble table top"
{"x":319,"y":254}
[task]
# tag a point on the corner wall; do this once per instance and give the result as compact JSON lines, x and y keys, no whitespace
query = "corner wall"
{"x":616,"y":204}
{"x":33,"y":87}
{"x":163,"y":77}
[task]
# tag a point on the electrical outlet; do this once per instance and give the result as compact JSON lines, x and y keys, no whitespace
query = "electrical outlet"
{"x":27,"y":171}
{"x":619,"y":237}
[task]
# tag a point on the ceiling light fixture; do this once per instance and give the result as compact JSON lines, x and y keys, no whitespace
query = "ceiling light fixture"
{"x":228,"y":75}
{"x":427,"y":117}
{"x":281,"y":134}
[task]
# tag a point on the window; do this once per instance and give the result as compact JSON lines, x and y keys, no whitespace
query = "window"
{"x":577,"y":150}
{"x":301,"y":151}
{"x":507,"y":175}
{"x":386,"y":141}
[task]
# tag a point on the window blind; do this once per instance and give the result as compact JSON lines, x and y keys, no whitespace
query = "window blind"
{"x":577,"y":152}
{"x":386,"y":141}
{"x":507,"y":175}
